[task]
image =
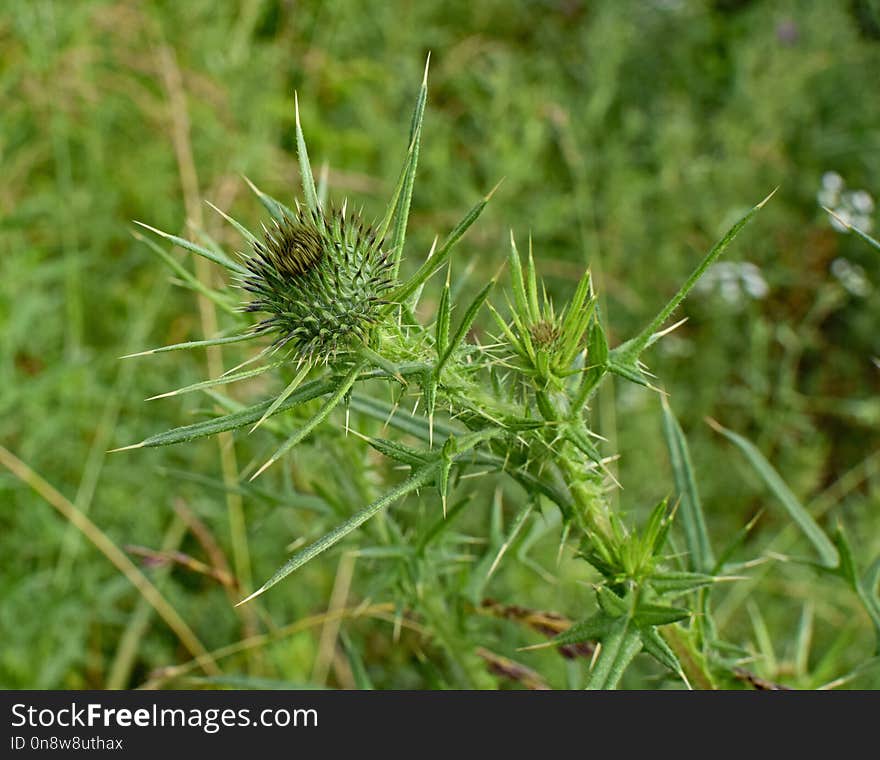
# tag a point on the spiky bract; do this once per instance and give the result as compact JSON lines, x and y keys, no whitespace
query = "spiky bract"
{"x":321,"y":277}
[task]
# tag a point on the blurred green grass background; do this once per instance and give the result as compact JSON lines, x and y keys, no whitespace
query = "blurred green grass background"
{"x":629,"y":136}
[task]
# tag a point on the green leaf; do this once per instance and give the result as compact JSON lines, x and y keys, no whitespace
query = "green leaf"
{"x":531,"y":284}
{"x":435,"y":262}
{"x":659,"y":614}
{"x":218,"y":258}
{"x":576,"y":434}
{"x":306,"y":392}
{"x":394,"y":202}
{"x":700,"y":556}
{"x":194,"y":344}
{"x":610,"y":603}
{"x":302,"y":371}
{"x":222,"y":380}
{"x":803,"y":519}
{"x":628,"y":371}
{"x":188,"y":278}
{"x":242,"y":230}
{"x":466,"y":323}
{"x":679,"y":582}
{"x":329,"y":405}
{"x":618,"y":649}
{"x":658,"y":649}
{"x":866,"y":589}
{"x":632,"y":348}
{"x":419,"y":478}
{"x":592,"y":629}
{"x":516,"y":526}
{"x":276,"y":209}
{"x":399,"y":452}
{"x":520,"y":298}
{"x":863,"y":235}
{"x":356,"y":663}
{"x":444,"y":310}
{"x":597,"y":362}
{"x":403,"y":206}
{"x":305,"y":168}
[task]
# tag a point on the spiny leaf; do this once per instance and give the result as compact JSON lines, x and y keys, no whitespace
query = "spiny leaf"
{"x":307,"y":392}
{"x":403,"y":207}
{"x":516,"y":526}
{"x":243,"y":231}
{"x":218,"y":258}
{"x":188,"y":278}
{"x":399,"y":418}
{"x":466,"y":323}
{"x":333,"y":400}
{"x":531,"y":282}
{"x":658,"y":649}
{"x":597,"y":358}
{"x":659,"y":614}
{"x":632,"y":348}
{"x":400,"y":452}
{"x":276,"y":209}
{"x":803,"y":519}
{"x":193,"y":344}
{"x":305,"y":167}
{"x":520,"y":298}
{"x":435,"y":262}
{"x":222,"y":380}
{"x":303,"y":370}
{"x":679,"y":582}
{"x":618,"y":649}
{"x":444,"y":310}
{"x":418,"y":479}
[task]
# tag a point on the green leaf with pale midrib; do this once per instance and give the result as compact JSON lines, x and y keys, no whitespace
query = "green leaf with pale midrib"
{"x":217,"y":258}
{"x":626,"y":354}
{"x":619,"y":647}
{"x":419,"y":478}
{"x":307,"y":392}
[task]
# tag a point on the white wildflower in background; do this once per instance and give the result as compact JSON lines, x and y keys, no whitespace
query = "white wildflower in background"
{"x":852,"y":207}
{"x":851,"y":276}
{"x":734,"y":281}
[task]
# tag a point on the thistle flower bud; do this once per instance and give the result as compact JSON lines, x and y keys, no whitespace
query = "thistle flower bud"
{"x":321,"y":279}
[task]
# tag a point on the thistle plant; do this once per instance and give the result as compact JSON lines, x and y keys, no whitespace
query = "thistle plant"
{"x":334,"y":317}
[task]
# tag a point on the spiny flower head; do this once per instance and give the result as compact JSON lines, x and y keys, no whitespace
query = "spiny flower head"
{"x":321,"y":278}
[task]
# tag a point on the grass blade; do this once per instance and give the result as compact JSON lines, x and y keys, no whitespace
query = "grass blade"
{"x":803,"y":519}
{"x":700,"y":556}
